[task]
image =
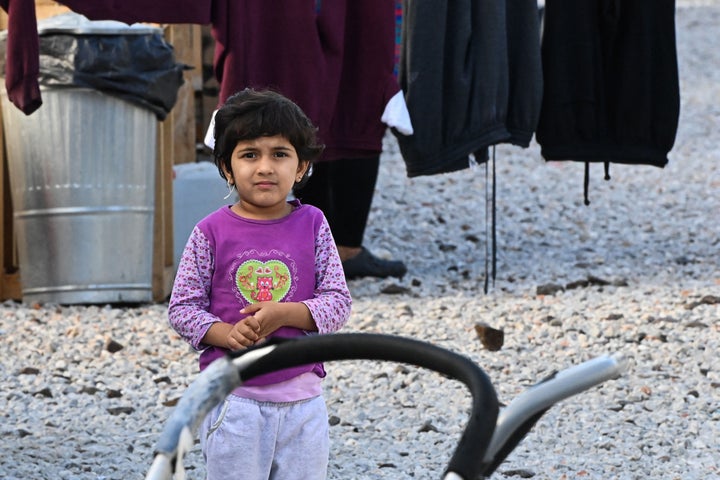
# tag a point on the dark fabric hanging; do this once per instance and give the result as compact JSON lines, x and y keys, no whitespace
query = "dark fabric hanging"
{"x":133,"y":11}
{"x":367,"y":81}
{"x":335,"y":59}
{"x":454,"y":75}
{"x":22,"y":50}
{"x":471,"y":75}
{"x":280,"y":48}
{"x":611,"y":90}
{"x":525,"y":75}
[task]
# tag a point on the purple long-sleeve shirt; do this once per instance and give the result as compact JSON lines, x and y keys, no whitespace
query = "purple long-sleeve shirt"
{"x":230,"y":262}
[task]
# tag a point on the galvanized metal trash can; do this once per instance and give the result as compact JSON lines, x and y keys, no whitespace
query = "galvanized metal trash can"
{"x":82,"y":176}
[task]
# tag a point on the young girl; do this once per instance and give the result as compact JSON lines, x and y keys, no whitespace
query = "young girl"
{"x":260,"y":268}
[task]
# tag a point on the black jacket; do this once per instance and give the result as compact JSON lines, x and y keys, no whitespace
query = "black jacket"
{"x":611,"y":91}
{"x":471,"y":74}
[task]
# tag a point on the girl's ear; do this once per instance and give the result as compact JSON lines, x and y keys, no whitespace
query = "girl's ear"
{"x":301,"y":176}
{"x":228,"y":175}
{"x":302,"y":169}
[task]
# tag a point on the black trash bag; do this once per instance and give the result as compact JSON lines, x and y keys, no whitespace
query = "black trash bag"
{"x":139,"y":68}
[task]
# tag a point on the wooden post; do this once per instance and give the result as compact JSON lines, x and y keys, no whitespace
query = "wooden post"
{"x":9,"y":275}
{"x":176,"y":145}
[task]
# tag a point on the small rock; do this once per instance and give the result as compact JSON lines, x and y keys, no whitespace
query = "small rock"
{"x":45,"y":392}
{"x":111,"y":393}
{"x":119,"y":410}
{"x":597,"y":281}
{"x":549,"y":289}
{"x":428,"y":427}
{"x":522,"y":473}
{"x":447,"y":247}
{"x":394,"y":289}
{"x":29,"y":371}
{"x":163,"y":379}
{"x":682,"y":260}
{"x":577,"y":284}
{"x":490,"y":337}
{"x":112,"y":346}
{"x":710,"y":300}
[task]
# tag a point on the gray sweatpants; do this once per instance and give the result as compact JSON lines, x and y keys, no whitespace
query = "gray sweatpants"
{"x":250,"y":440}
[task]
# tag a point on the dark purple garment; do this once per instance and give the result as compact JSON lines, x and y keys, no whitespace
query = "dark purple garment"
{"x":367,"y":81}
{"x":336,"y":62}
{"x":289,"y":48}
{"x":134,"y":11}
{"x":22,"y":61}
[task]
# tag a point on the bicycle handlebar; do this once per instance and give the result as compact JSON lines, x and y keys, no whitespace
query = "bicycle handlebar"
{"x":488,"y":437}
{"x":223,"y":375}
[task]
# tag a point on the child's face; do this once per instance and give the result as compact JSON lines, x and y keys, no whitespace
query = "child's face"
{"x":264,"y":171}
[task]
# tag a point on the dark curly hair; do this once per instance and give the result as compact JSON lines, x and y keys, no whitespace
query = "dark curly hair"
{"x":251,"y":114}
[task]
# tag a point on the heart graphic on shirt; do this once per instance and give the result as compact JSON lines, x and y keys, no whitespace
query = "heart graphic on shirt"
{"x":263,"y":281}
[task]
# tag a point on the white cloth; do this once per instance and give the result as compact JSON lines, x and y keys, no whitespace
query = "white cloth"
{"x":396,"y":114}
{"x":210,"y":134}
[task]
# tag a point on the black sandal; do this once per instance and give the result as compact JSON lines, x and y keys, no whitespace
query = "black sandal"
{"x":365,"y":264}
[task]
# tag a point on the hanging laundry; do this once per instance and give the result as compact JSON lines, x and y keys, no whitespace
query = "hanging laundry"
{"x":22,"y":49}
{"x":294,"y":50}
{"x":134,"y":11}
{"x":471,"y":74}
{"x":525,"y":75}
{"x":611,"y":89}
{"x":369,"y":96}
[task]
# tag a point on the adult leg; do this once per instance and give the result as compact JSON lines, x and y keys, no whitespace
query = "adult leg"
{"x":353,"y":185}
{"x":343,"y":190}
{"x":316,"y":190}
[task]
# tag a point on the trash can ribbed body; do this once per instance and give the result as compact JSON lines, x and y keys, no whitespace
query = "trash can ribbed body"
{"x":82,"y":176}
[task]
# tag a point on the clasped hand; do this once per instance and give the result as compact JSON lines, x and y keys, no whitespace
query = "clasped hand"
{"x":262,"y":319}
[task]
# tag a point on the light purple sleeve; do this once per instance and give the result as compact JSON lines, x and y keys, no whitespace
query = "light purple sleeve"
{"x":330,"y":307}
{"x":190,"y":299}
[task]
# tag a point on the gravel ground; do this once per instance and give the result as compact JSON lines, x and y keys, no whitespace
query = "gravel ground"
{"x":86,"y":389}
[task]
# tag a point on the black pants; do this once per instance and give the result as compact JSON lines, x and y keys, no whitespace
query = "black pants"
{"x":343,"y":190}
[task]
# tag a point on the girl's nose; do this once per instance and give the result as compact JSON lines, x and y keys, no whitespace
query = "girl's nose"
{"x":265,"y":164}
